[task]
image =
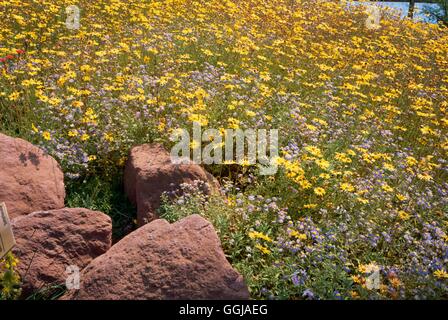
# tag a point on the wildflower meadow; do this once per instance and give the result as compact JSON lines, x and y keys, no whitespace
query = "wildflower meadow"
{"x":358,"y":208}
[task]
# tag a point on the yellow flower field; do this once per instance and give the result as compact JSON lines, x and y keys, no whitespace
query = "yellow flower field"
{"x":362,"y":116}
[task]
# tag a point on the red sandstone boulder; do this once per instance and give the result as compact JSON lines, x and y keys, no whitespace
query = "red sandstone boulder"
{"x":183,"y":260}
{"x":149,"y":173}
{"x":30,"y":180}
{"x":50,"y":241}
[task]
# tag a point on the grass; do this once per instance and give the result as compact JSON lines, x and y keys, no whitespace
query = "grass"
{"x":105,"y":195}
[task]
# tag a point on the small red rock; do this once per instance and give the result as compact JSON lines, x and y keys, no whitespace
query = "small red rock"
{"x":183,"y":260}
{"x":149,"y":172}
{"x":30,"y":180}
{"x":50,"y":241}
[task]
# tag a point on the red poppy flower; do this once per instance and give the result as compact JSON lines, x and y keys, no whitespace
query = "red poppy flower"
{"x":20,"y":51}
{"x":2,"y":59}
{"x":9,"y":56}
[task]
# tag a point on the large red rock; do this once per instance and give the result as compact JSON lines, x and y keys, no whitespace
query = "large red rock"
{"x":30,"y":180}
{"x":183,"y":260}
{"x":149,"y":172}
{"x":50,"y":241}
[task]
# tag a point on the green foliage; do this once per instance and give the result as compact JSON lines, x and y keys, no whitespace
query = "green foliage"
{"x":9,"y":278}
{"x":270,"y":273}
{"x":106,"y":195}
{"x":283,"y":256}
{"x":51,"y":292}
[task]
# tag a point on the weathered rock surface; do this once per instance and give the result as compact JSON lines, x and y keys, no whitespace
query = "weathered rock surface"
{"x":30,"y":180}
{"x":149,"y":172}
{"x":183,"y":260}
{"x":50,"y":241}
